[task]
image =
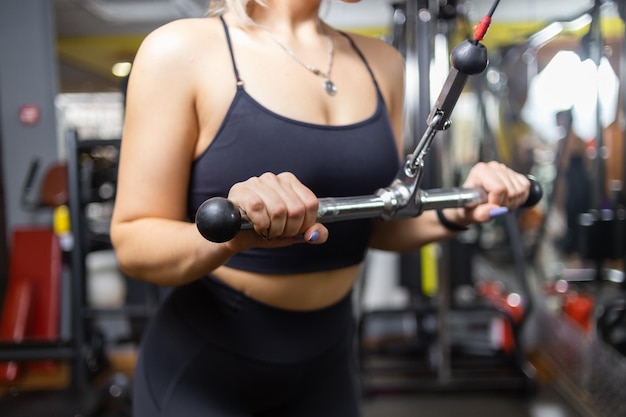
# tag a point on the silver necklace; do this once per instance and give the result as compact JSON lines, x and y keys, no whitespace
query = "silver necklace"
{"x":329,"y":86}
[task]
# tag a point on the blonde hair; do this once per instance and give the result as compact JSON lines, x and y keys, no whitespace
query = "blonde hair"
{"x":238,"y":8}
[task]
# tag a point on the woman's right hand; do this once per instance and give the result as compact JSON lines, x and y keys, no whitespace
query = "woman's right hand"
{"x":282,"y":210}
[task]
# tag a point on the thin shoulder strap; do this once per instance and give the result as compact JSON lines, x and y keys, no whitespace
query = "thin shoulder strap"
{"x":360,"y":54}
{"x":230,"y":49}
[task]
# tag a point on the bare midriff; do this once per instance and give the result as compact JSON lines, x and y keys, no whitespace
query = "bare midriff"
{"x":301,"y":292}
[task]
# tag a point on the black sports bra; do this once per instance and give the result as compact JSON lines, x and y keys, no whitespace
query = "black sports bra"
{"x":333,"y":161}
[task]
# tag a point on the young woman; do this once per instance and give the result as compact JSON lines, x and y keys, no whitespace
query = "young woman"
{"x":264,"y":103}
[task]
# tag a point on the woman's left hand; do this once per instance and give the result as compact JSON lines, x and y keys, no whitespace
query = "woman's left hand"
{"x":506,"y":190}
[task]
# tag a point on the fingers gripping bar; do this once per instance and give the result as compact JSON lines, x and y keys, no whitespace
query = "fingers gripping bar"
{"x":219,"y":220}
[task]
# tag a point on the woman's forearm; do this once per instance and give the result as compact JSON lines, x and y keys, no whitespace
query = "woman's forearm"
{"x":165,"y":252}
{"x":409,"y":234}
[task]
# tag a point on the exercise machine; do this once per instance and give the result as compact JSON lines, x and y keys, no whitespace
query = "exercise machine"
{"x":92,"y":388}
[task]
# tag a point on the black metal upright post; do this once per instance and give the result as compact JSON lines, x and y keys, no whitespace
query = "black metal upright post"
{"x":421,"y":23}
{"x":595,"y":45}
{"x":78,"y":268}
{"x":417,"y":105}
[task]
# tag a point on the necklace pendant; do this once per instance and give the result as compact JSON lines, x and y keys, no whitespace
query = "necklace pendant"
{"x":330,"y":87}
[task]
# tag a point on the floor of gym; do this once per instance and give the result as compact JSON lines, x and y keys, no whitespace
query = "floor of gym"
{"x":546,"y":403}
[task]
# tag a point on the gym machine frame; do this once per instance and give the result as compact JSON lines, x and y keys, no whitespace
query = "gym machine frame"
{"x":79,"y":397}
{"x":84,"y":395}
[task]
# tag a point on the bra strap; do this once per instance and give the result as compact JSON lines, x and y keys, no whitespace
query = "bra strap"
{"x":360,"y":54}
{"x":230,"y":49}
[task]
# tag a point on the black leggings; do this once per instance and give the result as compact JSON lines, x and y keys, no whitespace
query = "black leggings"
{"x":211,"y":351}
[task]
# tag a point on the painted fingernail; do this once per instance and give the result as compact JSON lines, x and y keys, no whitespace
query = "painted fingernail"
{"x":314,"y":236}
{"x":498,"y":211}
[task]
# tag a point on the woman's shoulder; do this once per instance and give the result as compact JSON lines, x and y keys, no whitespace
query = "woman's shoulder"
{"x":182,"y":36}
{"x":385,"y":60}
{"x":374,"y":46}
